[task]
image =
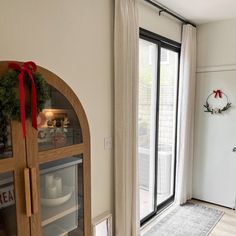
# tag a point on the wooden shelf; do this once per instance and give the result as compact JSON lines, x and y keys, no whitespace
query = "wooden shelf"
{"x":50,"y":167}
{"x":51,"y":214}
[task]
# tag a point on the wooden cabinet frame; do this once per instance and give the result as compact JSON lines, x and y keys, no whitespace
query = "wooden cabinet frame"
{"x":26,"y":155}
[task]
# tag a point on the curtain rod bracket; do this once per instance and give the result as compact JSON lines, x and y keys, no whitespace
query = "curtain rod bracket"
{"x":163,"y":10}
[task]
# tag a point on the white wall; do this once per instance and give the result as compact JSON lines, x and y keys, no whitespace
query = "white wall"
{"x":74,"y":39}
{"x":215,"y":135}
{"x":149,"y":19}
{"x":216,"y":43}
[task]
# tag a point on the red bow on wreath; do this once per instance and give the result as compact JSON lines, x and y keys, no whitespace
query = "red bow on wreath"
{"x":218,"y":93}
{"x":26,"y":70}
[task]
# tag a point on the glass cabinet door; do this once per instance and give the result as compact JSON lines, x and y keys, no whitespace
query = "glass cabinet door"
{"x":61,"y":197}
{"x":58,"y":125}
{"x":46,"y":190}
{"x":7,"y":205}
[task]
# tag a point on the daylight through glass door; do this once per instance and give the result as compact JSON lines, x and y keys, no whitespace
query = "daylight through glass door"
{"x":157,"y":118}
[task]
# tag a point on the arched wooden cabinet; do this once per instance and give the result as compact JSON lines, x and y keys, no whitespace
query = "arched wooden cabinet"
{"x":45,"y":178}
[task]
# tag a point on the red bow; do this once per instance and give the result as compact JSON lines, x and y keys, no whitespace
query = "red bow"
{"x":26,"y":69}
{"x":218,"y":93}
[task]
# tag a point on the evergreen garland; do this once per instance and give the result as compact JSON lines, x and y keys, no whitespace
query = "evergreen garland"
{"x":10,"y":104}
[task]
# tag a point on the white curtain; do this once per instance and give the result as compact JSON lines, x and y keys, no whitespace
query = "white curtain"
{"x":186,"y":113}
{"x":126,"y":84}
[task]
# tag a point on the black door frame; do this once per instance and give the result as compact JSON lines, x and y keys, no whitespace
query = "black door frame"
{"x":161,"y":42}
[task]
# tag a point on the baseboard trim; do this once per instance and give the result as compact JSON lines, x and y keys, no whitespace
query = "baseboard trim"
{"x":212,"y":203}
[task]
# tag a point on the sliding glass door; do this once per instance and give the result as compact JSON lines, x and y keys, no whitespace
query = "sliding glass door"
{"x":147,"y":125}
{"x":167,"y":125}
{"x":157,"y":118}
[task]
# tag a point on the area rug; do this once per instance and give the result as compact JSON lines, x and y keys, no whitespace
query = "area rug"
{"x":188,"y":220}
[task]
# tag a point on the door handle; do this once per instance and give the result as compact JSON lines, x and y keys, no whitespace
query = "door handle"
{"x":27,"y":192}
{"x":33,"y":175}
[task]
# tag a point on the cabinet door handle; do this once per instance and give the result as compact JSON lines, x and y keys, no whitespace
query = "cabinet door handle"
{"x":34,"y":188}
{"x":27,"y":192}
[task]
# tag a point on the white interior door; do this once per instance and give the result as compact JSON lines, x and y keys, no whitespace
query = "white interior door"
{"x":215,"y":136}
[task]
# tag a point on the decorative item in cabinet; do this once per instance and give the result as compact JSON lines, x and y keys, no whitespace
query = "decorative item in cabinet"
{"x":61,"y":200}
{"x":58,"y":124}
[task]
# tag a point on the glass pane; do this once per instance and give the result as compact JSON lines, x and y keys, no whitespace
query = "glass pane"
{"x":146,"y":125}
{"x":58,"y":125}
{"x":7,"y":205}
{"x":61,"y":187}
{"x":5,"y":140}
{"x":167,"y":124}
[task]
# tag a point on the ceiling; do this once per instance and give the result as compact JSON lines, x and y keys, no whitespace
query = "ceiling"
{"x":202,"y":11}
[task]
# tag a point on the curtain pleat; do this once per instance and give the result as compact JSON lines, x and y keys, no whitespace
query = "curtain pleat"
{"x":186,"y":114}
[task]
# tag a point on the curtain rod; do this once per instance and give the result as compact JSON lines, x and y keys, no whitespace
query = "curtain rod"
{"x":162,"y":9}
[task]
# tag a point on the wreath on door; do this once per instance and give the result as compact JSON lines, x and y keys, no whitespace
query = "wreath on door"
{"x":217,"y":94}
